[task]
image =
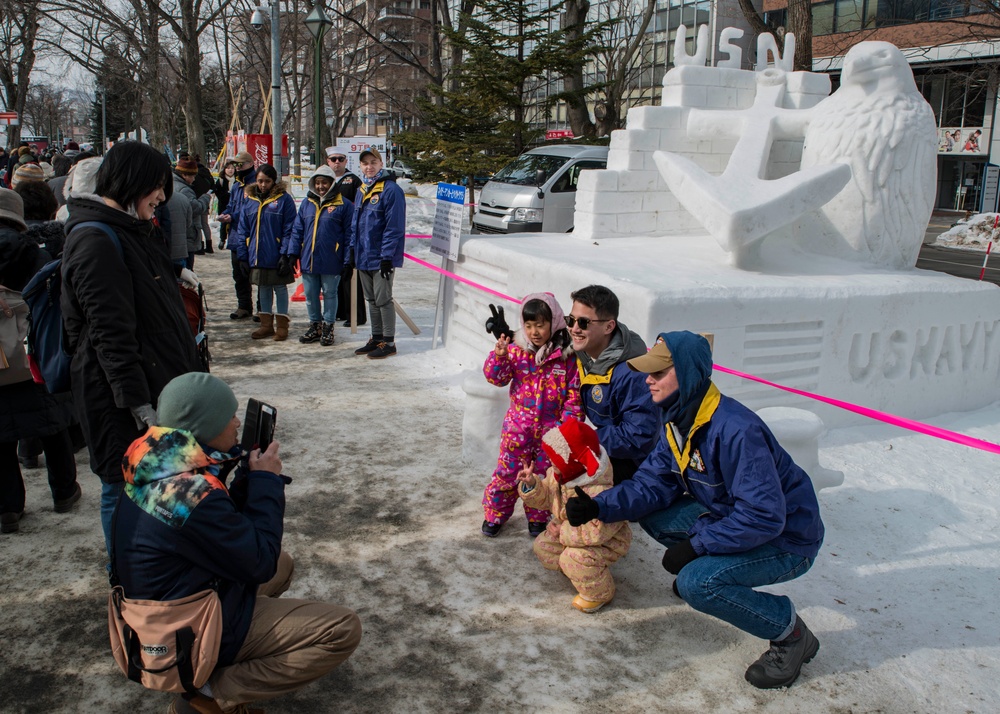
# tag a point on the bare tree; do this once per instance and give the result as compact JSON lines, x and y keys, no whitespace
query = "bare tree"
{"x":19,"y":27}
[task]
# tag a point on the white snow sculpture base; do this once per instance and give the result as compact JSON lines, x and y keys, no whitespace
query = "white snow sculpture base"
{"x":485,"y":406}
{"x":914,"y":343}
{"x":798,"y":432}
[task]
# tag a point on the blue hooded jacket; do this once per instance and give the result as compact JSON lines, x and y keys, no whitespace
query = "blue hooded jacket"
{"x":322,"y":230}
{"x":235,"y":206}
{"x":728,"y":461}
{"x":379,"y":225}
{"x":178,"y":529}
{"x":265,"y":226}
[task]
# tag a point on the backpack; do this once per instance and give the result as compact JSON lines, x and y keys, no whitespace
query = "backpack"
{"x":13,"y":332}
{"x":46,"y":340}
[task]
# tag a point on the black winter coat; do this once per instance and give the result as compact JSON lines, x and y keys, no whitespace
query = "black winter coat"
{"x":27,"y":410}
{"x":125,"y":324}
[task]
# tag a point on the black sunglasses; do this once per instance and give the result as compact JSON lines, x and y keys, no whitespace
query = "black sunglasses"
{"x":584,"y":322}
{"x":336,"y":158}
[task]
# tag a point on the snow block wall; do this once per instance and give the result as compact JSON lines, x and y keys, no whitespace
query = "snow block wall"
{"x":643,"y":204}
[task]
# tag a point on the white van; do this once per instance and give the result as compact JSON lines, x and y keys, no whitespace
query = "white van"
{"x":536,"y":192}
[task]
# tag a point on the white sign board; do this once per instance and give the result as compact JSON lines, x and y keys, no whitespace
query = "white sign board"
{"x":352,"y":146}
{"x":448,"y":220}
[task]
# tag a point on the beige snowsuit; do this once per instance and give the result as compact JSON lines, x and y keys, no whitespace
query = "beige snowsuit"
{"x":583,"y":553}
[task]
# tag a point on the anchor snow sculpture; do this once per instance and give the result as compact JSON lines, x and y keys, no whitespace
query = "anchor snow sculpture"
{"x":865,"y":187}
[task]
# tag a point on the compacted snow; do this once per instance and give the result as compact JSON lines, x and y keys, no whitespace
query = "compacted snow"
{"x":383,"y":516}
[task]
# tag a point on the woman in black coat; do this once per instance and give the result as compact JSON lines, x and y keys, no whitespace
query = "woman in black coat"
{"x":27,"y":410}
{"x":124,"y":319}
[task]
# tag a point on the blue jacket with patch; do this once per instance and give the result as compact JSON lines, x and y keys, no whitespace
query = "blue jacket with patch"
{"x":235,"y":206}
{"x":265,"y":226}
{"x":320,"y":242}
{"x":178,"y":528}
{"x":731,"y":463}
{"x":379,"y":225}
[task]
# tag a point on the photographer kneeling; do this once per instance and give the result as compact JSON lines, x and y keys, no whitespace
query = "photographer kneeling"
{"x":179,"y":530}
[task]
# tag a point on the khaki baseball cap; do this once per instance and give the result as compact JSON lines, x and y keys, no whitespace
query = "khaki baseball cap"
{"x":241,"y":158}
{"x":658,"y":358}
{"x":373,"y":151}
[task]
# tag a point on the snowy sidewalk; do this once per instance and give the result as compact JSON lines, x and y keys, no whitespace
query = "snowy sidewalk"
{"x":384,"y":517}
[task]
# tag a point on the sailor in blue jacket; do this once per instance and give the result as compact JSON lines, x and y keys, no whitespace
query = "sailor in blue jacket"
{"x":377,"y":249}
{"x":733,"y":509}
{"x":245,"y":175}
{"x":180,"y":529}
{"x":319,"y":240}
{"x":615,"y":398}
{"x":267,"y":215}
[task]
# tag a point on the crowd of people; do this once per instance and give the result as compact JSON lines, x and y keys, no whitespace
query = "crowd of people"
{"x":601,"y":432}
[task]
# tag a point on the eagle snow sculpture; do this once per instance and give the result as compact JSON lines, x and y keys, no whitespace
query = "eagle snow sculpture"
{"x":878,"y":124}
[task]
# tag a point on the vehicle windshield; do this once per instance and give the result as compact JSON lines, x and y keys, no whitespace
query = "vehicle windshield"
{"x":522,"y":170}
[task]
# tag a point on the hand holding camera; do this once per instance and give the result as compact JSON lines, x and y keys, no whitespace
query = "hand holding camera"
{"x":266,"y":460}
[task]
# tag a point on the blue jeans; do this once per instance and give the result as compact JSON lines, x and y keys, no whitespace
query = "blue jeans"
{"x":312,"y":283}
{"x":722,"y":585}
{"x":267,"y":295}
{"x":109,"y":499}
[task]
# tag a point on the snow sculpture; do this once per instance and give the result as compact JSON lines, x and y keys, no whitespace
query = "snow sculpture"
{"x":798,"y":432}
{"x":878,"y":124}
{"x":867,"y":171}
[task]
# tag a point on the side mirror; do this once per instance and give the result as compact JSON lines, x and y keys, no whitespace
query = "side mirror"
{"x":540,"y":176}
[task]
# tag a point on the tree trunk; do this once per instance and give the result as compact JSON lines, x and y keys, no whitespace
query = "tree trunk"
{"x":191,"y":73}
{"x":800,"y":25}
{"x":575,"y":19}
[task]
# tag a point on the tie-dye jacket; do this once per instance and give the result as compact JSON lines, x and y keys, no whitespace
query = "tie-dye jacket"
{"x":178,"y":530}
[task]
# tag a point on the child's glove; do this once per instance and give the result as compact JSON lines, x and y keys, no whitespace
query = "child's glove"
{"x":582,"y":509}
{"x":497,"y":325}
{"x":678,"y":555}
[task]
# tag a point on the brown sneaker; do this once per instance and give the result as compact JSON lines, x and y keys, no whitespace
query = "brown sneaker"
{"x":588,"y":606}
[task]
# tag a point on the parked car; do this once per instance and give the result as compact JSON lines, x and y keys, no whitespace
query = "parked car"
{"x":536,"y":192}
{"x":401,"y":169}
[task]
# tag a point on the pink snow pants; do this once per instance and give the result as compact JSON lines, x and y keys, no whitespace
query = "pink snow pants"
{"x":501,"y":492}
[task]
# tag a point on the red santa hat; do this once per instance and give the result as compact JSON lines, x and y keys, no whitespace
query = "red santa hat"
{"x":574,"y":450}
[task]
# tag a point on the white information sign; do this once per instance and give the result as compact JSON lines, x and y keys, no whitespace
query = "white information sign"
{"x":448,"y":220}
{"x":352,"y":146}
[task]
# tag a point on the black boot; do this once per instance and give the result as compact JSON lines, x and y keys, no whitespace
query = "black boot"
{"x":327,"y":339}
{"x":370,"y":346}
{"x":781,"y":664}
{"x":312,"y":334}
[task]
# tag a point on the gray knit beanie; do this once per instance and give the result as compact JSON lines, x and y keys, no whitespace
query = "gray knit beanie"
{"x":197,"y":402}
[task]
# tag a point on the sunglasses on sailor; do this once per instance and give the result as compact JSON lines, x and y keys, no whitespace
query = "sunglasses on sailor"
{"x":336,"y":158}
{"x":583,"y":322}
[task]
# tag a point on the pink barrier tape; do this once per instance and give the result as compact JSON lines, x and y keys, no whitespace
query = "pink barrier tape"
{"x":899,"y":421}
{"x":460,"y":279}
{"x":902,"y":422}
{"x":421,"y":236}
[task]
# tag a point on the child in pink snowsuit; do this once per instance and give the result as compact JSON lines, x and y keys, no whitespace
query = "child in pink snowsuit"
{"x":583,"y":553}
{"x":544,"y":390}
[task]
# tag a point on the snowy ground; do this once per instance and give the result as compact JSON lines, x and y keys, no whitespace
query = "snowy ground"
{"x":384,"y":517}
{"x":973,"y":234}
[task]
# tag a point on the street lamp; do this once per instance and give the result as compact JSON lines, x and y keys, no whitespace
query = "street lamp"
{"x":257,"y":20}
{"x":318,"y":23}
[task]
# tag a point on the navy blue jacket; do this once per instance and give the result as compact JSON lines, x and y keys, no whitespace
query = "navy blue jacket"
{"x":178,"y":529}
{"x":321,"y":242}
{"x":621,"y":410}
{"x":235,"y":206}
{"x":731,"y":463}
{"x":379,"y":225}
{"x":265,"y":226}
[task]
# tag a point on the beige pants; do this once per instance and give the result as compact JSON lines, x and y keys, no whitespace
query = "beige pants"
{"x":290,"y":643}
{"x":588,"y":568}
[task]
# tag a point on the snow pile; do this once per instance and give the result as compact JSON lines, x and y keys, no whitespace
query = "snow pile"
{"x":972,"y":234}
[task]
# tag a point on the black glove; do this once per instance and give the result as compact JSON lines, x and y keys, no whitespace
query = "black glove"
{"x":677,"y":556}
{"x":385,"y":268}
{"x":497,"y":325}
{"x":286,"y":266}
{"x":245,"y":269}
{"x":581,"y":509}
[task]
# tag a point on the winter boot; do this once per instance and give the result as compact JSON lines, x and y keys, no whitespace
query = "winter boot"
{"x":370,"y":346}
{"x":281,"y":330}
{"x":589,"y":606}
{"x":536,"y":528}
{"x":382,"y":350}
{"x":327,"y":338}
{"x":491,"y":530}
{"x":312,"y":334}
{"x":781,"y":664}
{"x":266,"y":328}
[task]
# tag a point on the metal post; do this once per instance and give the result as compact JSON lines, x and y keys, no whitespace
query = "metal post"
{"x":318,"y":95}
{"x":104,"y":120}
{"x":276,"y":90}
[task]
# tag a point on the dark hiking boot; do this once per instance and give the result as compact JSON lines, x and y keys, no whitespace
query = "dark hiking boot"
{"x":327,"y":339}
{"x":64,"y":505}
{"x":781,"y":664}
{"x":383,"y":349}
{"x":491,"y":530}
{"x":312,"y":334}
{"x":9,"y":522}
{"x":28,"y":462}
{"x":240,"y":313}
{"x":536,"y":528}
{"x":369,"y":346}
